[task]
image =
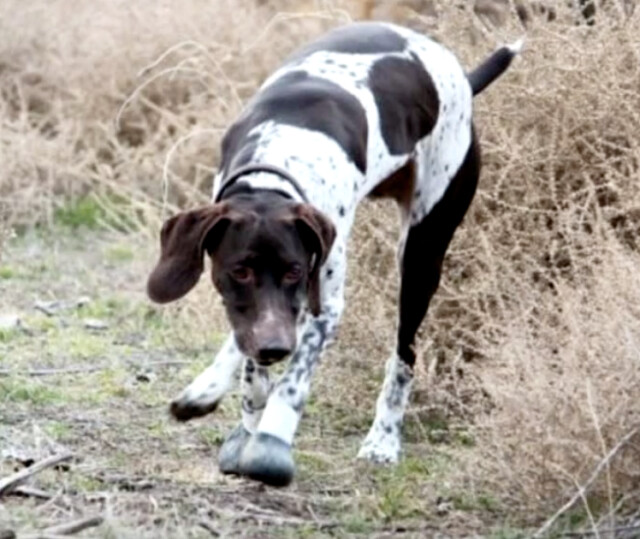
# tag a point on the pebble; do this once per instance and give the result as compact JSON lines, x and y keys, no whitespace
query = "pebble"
{"x":51,"y":308}
{"x":95,"y":323}
{"x":10,"y":321}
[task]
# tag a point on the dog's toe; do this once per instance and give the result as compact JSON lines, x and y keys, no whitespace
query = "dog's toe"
{"x":267,"y":459}
{"x":229,"y":455}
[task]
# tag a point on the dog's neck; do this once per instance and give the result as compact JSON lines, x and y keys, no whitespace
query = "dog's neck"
{"x":261,"y":177}
{"x":246,"y":187}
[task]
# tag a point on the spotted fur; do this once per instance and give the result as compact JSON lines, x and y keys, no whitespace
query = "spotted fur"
{"x":365,"y":104}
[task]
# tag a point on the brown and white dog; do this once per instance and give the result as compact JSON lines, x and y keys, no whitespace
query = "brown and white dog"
{"x":369,"y":109}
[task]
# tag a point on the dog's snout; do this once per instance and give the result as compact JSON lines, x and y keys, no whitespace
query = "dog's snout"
{"x":274,"y":336}
{"x":272,"y":352}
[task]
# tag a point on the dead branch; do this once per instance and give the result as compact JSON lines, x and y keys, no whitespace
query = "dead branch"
{"x":9,"y":483}
{"x":608,"y":532}
{"x":51,"y":372}
{"x":210,"y":527}
{"x":30,"y":492}
{"x":75,"y":526}
{"x":282,"y":520}
{"x":78,"y":369}
{"x":601,"y":465}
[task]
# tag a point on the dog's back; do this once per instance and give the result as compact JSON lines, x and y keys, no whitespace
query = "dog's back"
{"x":348,"y":110}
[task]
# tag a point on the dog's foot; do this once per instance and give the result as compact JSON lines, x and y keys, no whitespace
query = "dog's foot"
{"x":185,"y":408}
{"x":229,"y":455}
{"x":198,"y":400}
{"x":380,"y":449}
{"x":267,"y":459}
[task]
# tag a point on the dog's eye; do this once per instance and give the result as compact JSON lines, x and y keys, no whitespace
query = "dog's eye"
{"x":242,"y":274}
{"x":293,"y":274}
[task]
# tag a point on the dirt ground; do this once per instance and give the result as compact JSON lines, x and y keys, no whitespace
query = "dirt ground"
{"x":91,"y":368}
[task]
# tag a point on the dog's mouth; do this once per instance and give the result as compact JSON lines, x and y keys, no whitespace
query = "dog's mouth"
{"x":267,"y":362}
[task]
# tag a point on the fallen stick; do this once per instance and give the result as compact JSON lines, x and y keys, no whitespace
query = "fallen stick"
{"x":77,"y":369}
{"x":601,"y":465}
{"x":30,"y":492}
{"x":75,"y":526}
{"x":210,"y":527}
{"x":283,"y":520}
{"x":610,"y":532}
{"x":50,"y":372}
{"x":9,"y":483}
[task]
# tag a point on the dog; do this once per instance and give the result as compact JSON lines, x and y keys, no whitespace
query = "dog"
{"x":369,"y":109}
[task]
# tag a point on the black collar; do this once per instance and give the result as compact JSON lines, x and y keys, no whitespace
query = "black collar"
{"x":234,"y":176}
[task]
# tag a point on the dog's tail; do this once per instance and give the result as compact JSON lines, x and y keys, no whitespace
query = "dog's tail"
{"x":493,"y":67}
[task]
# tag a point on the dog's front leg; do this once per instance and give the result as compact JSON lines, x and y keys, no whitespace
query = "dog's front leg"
{"x":256,"y":387}
{"x":267,"y":455}
{"x":204,"y":394}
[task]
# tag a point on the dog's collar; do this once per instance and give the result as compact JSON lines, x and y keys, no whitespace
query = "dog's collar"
{"x":237,"y":174}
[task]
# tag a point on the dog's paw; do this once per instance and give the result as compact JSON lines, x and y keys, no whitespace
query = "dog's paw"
{"x":184,"y":408}
{"x":380,"y":450}
{"x":229,"y":454}
{"x":267,"y":459}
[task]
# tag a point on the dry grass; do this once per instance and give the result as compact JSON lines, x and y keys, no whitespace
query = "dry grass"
{"x":532,"y":343}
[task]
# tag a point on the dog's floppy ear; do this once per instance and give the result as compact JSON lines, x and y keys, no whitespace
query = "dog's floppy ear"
{"x":318,"y":232}
{"x":182,"y":244}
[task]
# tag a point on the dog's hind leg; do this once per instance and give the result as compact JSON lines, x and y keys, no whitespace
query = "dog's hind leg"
{"x":420,"y":265}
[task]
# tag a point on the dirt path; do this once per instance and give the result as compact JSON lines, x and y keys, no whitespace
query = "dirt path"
{"x":90,"y":369}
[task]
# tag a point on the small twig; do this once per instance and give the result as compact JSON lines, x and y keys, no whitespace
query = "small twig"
{"x":75,"y":526}
{"x":75,"y":369}
{"x":51,"y":372}
{"x":167,"y":363}
{"x":601,"y":465}
{"x":210,"y":527}
{"x":612,"y":531}
{"x":264,"y":515}
{"x":30,"y":492}
{"x":279,"y":520}
{"x":130,"y":483}
{"x":9,"y":483}
{"x":166,"y":170}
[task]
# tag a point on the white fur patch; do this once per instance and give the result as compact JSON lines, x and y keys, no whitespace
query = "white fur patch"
{"x":382,"y":444}
{"x":216,"y":380}
{"x":279,"y":419}
{"x":255,"y":392}
{"x":517,"y":46}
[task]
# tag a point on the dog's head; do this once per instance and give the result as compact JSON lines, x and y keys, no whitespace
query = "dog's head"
{"x":266,"y":256}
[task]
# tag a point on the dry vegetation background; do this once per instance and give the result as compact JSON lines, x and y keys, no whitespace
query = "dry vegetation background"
{"x":532,"y":345}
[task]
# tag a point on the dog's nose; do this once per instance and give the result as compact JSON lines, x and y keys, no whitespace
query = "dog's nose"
{"x":273,"y":352}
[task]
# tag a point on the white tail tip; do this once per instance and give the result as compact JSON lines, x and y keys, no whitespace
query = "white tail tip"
{"x":517,"y":46}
